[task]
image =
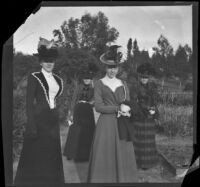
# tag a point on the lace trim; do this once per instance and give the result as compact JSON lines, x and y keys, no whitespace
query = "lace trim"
{"x":61,"y":88}
{"x":45,"y":92}
{"x":61,"y":83}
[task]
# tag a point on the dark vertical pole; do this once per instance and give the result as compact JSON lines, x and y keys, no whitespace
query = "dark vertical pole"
{"x":7,"y":109}
{"x":195,"y":26}
{"x":195,"y":65}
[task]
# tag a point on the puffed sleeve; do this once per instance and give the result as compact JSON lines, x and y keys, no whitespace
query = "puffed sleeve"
{"x":30,"y":96}
{"x":99,"y":104}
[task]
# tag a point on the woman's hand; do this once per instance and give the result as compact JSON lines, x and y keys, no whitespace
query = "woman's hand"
{"x":152,"y":110}
{"x":124,"y":108}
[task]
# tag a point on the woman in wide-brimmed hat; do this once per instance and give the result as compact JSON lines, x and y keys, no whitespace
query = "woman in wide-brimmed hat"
{"x":41,"y":161}
{"x":112,"y":159}
{"x":80,"y":135}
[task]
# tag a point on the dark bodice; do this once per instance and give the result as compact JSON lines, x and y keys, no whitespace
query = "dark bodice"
{"x":143,"y":99}
{"x":146,"y":95}
{"x":86,"y":93}
{"x":37,"y":99}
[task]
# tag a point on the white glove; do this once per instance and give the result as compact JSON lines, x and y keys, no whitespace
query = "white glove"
{"x":152,"y":112}
{"x":124,"y":108}
{"x":70,"y":122}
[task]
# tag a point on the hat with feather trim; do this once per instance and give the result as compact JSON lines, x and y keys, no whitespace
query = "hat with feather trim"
{"x":47,"y":50}
{"x":112,"y":56}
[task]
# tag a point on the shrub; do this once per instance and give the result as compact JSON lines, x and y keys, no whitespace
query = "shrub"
{"x":188,"y":86}
{"x":19,"y":121}
{"x":176,"y":98}
{"x":176,"y":119}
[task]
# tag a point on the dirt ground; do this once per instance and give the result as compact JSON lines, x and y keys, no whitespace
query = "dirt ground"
{"x":77,"y":172}
{"x":178,"y":150}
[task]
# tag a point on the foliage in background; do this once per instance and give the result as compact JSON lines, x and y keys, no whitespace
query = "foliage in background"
{"x":176,"y":98}
{"x":90,"y":32}
{"x":176,"y":119}
{"x":166,"y":61}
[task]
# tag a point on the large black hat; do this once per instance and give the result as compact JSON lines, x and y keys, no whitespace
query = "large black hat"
{"x":47,"y":50}
{"x":88,"y":75}
{"x":112,"y":56}
{"x":145,"y":70}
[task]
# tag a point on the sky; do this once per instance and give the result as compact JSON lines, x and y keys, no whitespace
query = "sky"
{"x":144,"y":23}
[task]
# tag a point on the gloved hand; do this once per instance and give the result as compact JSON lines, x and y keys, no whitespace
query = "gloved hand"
{"x":124,"y":108}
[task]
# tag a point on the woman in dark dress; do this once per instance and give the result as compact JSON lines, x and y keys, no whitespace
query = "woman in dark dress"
{"x":41,"y":160}
{"x":144,"y":114}
{"x":112,"y":159}
{"x":80,"y":135}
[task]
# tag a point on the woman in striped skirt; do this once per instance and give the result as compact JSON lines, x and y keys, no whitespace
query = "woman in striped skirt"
{"x":144,"y":114}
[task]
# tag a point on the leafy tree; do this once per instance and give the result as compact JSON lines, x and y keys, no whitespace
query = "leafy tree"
{"x":144,"y":56}
{"x":22,"y":66}
{"x":75,"y":62}
{"x":162,"y":59}
{"x":71,"y":65}
{"x":128,"y":63}
{"x":189,"y":53}
{"x":136,"y":55}
{"x":129,"y":48}
{"x":181,"y":62}
{"x":90,"y":32}
{"x":135,"y":47}
{"x":164,"y":48}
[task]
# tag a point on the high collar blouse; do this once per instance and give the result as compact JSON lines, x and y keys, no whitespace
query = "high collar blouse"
{"x":53,"y":87}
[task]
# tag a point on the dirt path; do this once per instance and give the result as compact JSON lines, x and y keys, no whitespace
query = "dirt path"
{"x":77,"y":172}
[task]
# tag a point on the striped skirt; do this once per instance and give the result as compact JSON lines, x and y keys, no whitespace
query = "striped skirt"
{"x":145,"y":145}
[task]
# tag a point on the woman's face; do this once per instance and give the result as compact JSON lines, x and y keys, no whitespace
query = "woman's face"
{"x":87,"y":81}
{"x":112,"y":71}
{"x":47,"y":66}
{"x":144,"y":80}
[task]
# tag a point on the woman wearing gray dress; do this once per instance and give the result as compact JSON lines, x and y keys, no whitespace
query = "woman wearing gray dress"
{"x":112,"y":160}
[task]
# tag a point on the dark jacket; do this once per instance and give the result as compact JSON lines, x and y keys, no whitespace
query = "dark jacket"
{"x":143,"y":98}
{"x":124,"y":123}
{"x":37,"y":99}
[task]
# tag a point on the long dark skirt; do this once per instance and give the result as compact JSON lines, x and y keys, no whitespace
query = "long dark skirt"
{"x":80,"y":135}
{"x":41,"y":160}
{"x":145,"y":145}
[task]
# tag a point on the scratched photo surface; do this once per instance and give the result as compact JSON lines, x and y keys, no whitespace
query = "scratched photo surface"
{"x":157,"y":38}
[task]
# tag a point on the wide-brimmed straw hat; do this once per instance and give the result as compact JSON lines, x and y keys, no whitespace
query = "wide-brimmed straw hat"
{"x":47,"y":50}
{"x":112,"y":56}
